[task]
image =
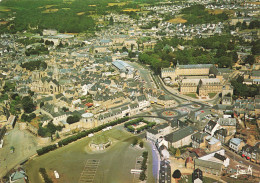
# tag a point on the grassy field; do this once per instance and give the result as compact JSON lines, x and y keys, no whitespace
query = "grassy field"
{"x":4,"y":9}
{"x":205,"y":180}
{"x":193,"y":95}
{"x":177,"y":20}
{"x":114,"y":164}
{"x":211,"y":95}
{"x":117,"y":4}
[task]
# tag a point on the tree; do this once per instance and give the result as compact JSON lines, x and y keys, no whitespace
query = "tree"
{"x":244,"y":25}
{"x":131,"y":54}
{"x":111,"y":21}
{"x":57,"y":135}
{"x":135,"y":141}
{"x":250,"y":59}
{"x":176,"y":174}
{"x":31,"y":93}
{"x":73,"y":119}
{"x":256,"y":48}
{"x":141,"y":144}
{"x":178,"y":153}
{"x":124,"y":49}
{"x":142,"y":176}
{"x":27,"y":104}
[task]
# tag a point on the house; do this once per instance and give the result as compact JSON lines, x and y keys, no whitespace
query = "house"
{"x":213,"y":144}
{"x":252,"y":152}
{"x":199,"y":140}
{"x":161,"y":130}
{"x":221,"y":135}
{"x":247,"y":151}
{"x":236,"y":144}
{"x":11,"y":122}
{"x":229,"y":124}
{"x":166,"y":100}
{"x":211,"y":127}
{"x":212,"y":163}
{"x":180,"y":137}
{"x":143,"y":102}
{"x":256,"y":153}
{"x":18,"y":176}
{"x":208,"y":167}
{"x":197,"y":176}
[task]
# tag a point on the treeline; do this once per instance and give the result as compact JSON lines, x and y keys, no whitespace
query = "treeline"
{"x":197,"y":14}
{"x":48,"y":130}
{"x":243,"y":90}
{"x":73,"y":119}
{"x":143,"y":166}
{"x":154,"y":61}
{"x":45,"y":176}
{"x":63,"y":16}
{"x":46,"y":149}
{"x":219,"y":50}
{"x":80,"y":135}
{"x":255,"y":24}
{"x":39,"y":49}
{"x":34,"y":65}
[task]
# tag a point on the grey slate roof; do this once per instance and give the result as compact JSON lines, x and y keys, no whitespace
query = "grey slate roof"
{"x":208,"y":164}
{"x":179,"y":134}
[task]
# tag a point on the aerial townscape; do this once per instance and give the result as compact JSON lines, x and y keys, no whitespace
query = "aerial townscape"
{"x":129,"y":91}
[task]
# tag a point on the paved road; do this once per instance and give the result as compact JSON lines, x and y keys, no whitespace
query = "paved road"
{"x":144,"y":73}
{"x":232,"y":155}
{"x":156,"y":161}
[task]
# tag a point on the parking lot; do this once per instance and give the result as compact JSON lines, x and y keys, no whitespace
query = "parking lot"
{"x":25,"y":145}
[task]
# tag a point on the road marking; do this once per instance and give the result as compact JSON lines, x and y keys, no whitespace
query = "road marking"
{"x":88,"y":173}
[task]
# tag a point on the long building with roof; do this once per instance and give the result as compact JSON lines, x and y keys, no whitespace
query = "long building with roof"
{"x":124,"y":68}
{"x":181,"y":71}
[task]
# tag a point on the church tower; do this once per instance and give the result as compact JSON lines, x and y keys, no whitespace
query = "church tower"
{"x":55,"y":74}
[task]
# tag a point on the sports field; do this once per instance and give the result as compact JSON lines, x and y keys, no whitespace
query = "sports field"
{"x":75,"y":163}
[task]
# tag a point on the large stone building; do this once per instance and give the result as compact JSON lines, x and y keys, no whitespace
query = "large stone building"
{"x":41,"y":83}
{"x":210,"y":85}
{"x":184,"y":71}
{"x":201,"y":86}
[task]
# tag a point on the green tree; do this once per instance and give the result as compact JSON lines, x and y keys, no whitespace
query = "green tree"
{"x":27,"y":104}
{"x":111,"y":21}
{"x":73,"y":119}
{"x":141,"y":144}
{"x":135,"y":141}
{"x":57,"y":135}
{"x":178,"y":153}
{"x":250,"y":59}
{"x":142,"y":176}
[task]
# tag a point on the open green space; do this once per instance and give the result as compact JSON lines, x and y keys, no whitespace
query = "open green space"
{"x":49,"y":14}
{"x":69,"y":161}
{"x":211,"y":95}
{"x":193,"y":95}
{"x":205,"y":180}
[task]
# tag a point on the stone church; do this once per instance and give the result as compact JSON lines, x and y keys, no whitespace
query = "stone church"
{"x":43,"y":83}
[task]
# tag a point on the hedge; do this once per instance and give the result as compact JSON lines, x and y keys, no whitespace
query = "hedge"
{"x":80,"y":135}
{"x":93,"y":130}
{"x":45,"y":176}
{"x":144,"y":166}
{"x":129,"y":124}
{"x":46,"y":149}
